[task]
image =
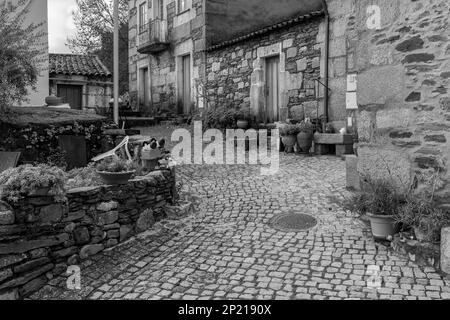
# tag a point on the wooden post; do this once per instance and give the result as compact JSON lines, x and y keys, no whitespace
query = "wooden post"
{"x":116,"y":61}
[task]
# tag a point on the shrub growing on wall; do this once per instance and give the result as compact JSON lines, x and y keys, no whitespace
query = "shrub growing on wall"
{"x":39,"y":143}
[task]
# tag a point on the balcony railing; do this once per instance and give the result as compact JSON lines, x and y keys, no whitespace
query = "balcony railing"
{"x":153,"y":36}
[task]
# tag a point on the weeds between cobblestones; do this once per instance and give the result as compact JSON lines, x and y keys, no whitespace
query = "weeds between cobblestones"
{"x":227,"y":250}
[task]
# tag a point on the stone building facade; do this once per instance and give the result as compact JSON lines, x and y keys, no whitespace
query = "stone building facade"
{"x":400,"y":53}
{"x":236,"y":73}
{"x":156,"y":82}
{"x":396,"y":52}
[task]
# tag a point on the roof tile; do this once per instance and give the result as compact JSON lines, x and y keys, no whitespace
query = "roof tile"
{"x":77,"y":64}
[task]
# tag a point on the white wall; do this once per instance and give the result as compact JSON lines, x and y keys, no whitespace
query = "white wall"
{"x":37,"y":13}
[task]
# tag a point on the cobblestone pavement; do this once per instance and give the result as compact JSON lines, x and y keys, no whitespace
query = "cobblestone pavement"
{"x":227,"y":250}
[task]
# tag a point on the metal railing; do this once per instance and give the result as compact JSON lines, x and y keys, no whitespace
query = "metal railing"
{"x":153,"y":32}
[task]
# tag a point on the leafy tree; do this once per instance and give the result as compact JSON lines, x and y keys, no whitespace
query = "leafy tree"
{"x":19,"y":55}
{"x":94,"y":21}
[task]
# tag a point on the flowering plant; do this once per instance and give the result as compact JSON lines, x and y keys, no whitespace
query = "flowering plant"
{"x":306,"y":126}
{"x":115,"y":165}
{"x":288,"y":129}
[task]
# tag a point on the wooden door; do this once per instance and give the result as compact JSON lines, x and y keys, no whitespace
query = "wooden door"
{"x":72,"y":95}
{"x":272,"y":90}
{"x":146,"y":88}
{"x":186,"y":93}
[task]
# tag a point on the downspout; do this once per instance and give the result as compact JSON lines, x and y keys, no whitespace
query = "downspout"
{"x":327,"y":57}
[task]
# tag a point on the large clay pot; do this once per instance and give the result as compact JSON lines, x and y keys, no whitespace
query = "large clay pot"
{"x":113,"y":178}
{"x":289,"y":143}
{"x":304,"y":141}
{"x":382,"y":226}
{"x":53,"y":101}
{"x":242,"y":124}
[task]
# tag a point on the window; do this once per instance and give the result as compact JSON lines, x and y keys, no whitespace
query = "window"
{"x":182,"y":5}
{"x":161,"y":9}
{"x":142,"y":17}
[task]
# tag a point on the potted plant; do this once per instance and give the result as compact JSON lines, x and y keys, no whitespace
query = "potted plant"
{"x":380,"y":203}
{"x":424,"y":217}
{"x":288,"y":133}
{"x":305,"y":136}
{"x":114,"y":170}
{"x":33,"y":181}
{"x":243,"y":119}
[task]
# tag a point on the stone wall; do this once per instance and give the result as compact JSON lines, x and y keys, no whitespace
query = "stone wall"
{"x":403,"y":74}
{"x":235,"y":74}
{"x":39,"y":238}
{"x":187,"y":36}
{"x":39,"y":141}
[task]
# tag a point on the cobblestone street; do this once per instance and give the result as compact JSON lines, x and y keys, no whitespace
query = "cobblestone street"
{"x":227,"y":249}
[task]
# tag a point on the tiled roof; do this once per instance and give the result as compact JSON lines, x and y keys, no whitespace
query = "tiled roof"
{"x":264,"y":30}
{"x":77,"y":64}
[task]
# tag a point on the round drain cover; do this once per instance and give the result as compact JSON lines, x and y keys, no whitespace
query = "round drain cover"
{"x":292,"y":222}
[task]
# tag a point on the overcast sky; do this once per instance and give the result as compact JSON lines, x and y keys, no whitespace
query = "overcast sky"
{"x":60,"y":24}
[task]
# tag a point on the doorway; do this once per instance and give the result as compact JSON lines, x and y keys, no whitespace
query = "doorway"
{"x":272,"y":110}
{"x":71,"y":94}
{"x":144,"y":97}
{"x":186,"y":84}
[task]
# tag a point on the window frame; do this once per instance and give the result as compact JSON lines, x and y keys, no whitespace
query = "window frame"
{"x":143,"y":15}
{"x":185,"y":9}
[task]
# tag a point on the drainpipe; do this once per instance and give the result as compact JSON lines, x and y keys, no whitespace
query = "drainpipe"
{"x":327,"y":57}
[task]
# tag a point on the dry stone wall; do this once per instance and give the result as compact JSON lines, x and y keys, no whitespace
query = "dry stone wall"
{"x":39,"y":238}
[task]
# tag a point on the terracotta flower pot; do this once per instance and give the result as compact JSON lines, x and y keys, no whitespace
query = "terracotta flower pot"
{"x":289,"y":142}
{"x":114,"y":178}
{"x":304,"y":141}
{"x":382,"y":226}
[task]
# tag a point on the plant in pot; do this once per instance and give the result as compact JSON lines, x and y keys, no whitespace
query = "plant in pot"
{"x":380,"y":203}
{"x":305,"y":136}
{"x":424,"y":217}
{"x":243,"y":119}
{"x":115,"y":170}
{"x":34,"y":181}
{"x":288,"y":133}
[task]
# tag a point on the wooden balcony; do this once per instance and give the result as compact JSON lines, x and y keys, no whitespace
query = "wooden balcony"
{"x":153,"y":37}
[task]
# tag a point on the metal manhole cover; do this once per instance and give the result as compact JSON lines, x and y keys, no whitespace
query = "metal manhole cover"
{"x":292,"y":222}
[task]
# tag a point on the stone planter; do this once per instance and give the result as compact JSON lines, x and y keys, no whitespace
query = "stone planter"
{"x":289,"y":143}
{"x":114,"y":178}
{"x":179,"y":211}
{"x":383,"y":227}
{"x":304,"y":141}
